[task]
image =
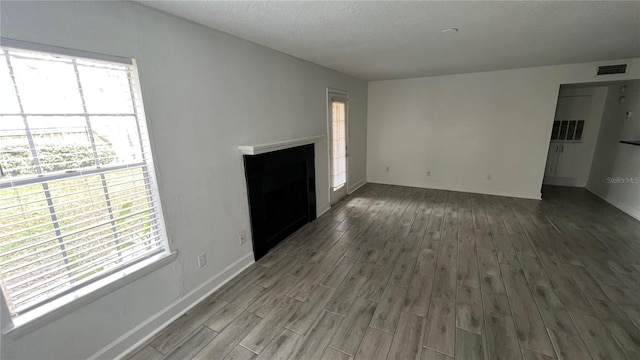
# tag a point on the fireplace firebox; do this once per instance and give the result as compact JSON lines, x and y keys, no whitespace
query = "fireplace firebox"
{"x":282,"y":194}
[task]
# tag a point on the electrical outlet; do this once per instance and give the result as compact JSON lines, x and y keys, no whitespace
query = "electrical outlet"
{"x":489,"y":177}
{"x":202,"y":260}
{"x":243,"y":237}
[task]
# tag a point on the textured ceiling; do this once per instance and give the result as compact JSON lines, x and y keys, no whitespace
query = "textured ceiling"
{"x":397,"y":39}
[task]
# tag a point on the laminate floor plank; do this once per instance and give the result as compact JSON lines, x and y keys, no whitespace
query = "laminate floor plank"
{"x":262,"y":334}
{"x":352,"y":329}
{"x":468,"y":274}
{"x":563,"y":333}
{"x":185,"y":325}
{"x":469,"y":312}
{"x":239,"y":353}
{"x":621,"y":326}
{"x":199,"y":339}
{"x":339,"y":273}
{"x":375,"y":284}
{"x":418,"y":295}
{"x":530,"y":355}
{"x":389,"y":307}
{"x":333,"y":354}
{"x":229,"y":338}
{"x":407,"y":341}
{"x":597,"y":338}
{"x":530,"y":328}
{"x":315,"y":342}
{"x":281,"y":347}
{"x":232,"y":310}
{"x":469,"y":346}
{"x":237,"y":286}
{"x":345,"y":295}
{"x":440,"y":330}
{"x":375,"y":345}
{"x":277,"y":271}
{"x":445,"y":279}
{"x":268,"y":298}
{"x":301,"y":320}
{"x":502,"y":340}
{"x":426,"y":263}
{"x":534,"y":271}
{"x":402,"y":272}
{"x":428,"y":354}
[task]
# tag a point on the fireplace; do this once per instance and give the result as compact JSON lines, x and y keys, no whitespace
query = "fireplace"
{"x":282,"y":194}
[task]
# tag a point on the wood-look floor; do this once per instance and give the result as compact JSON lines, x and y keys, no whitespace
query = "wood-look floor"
{"x":404,"y":273}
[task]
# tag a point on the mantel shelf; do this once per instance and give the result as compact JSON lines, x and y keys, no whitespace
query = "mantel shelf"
{"x":631,"y":142}
{"x":280,"y":145}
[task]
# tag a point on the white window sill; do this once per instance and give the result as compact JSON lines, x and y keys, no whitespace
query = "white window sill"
{"x":58,"y":308}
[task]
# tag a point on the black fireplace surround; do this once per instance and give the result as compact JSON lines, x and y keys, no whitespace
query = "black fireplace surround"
{"x":282,"y":194}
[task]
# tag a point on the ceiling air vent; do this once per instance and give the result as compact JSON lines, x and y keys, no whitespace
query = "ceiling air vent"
{"x":612,"y":69}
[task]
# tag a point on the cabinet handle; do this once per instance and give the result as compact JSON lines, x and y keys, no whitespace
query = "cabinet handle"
{"x":561,"y":148}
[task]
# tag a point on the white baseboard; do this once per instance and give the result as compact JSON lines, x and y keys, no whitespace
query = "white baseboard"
{"x":535,"y":196}
{"x":358,"y":184}
{"x":322,"y":208}
{"x":142,"y":333}
{"x":626,"y":208}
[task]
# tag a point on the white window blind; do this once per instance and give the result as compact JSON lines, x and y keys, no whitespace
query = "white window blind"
{"x":78,"y":197}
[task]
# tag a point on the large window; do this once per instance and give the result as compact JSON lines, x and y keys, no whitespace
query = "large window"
{"x":78,"y":198}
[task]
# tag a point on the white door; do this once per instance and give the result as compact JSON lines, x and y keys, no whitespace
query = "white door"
{"x":552,"y":160}
{"x":568,"y":160}
{"x":338,"y":146}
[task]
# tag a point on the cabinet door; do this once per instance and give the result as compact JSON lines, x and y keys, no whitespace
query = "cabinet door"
{"x":552,"y":160}
{"x":568,"y":160}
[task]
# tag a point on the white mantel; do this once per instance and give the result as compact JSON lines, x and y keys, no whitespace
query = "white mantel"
{"x":280,"y":145}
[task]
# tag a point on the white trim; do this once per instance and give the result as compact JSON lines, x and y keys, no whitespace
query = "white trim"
{"x":356,"y":186}
{"x":626,"y":208}
{"x":322,"y":208}
{"x":123,"y":345}
{"x":279,"y":145}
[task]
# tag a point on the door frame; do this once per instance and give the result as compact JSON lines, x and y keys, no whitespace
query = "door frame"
{"x":342,"y":94}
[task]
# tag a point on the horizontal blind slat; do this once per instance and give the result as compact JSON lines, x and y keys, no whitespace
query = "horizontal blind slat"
{"x":89,"y":280}
{"x":90,"y":267}
{"x":63,"y":266}
{"x":66,"y":218}
{"x":53,"y":239}
{"x":95,"y":244}
{"x":72,"y":233}
{"x":64,"y":175}
{"x":145,"y":177}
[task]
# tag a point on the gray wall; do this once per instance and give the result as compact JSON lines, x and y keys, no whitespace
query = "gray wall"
{"x":205,"y":93}
{"x":615,"y":171}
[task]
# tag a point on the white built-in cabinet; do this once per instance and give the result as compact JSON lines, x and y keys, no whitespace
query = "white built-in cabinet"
{"x":566,"y":148}
{"x":563,"y":160}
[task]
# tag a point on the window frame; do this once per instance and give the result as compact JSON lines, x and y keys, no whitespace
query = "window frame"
{"x":99,"y":286}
